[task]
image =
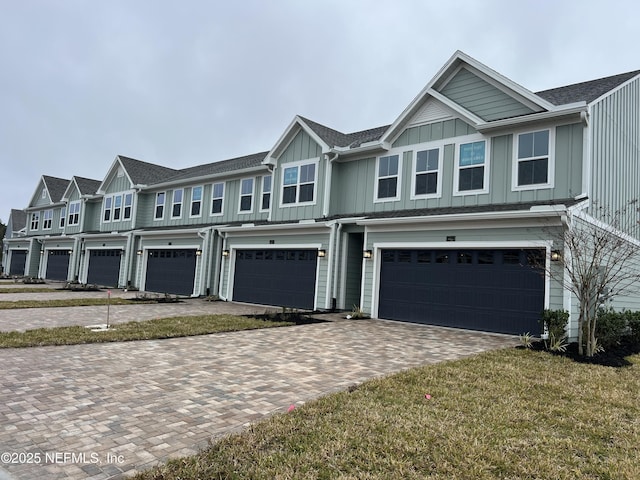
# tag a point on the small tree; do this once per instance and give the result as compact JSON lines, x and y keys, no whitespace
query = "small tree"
{"x":599,"y":262}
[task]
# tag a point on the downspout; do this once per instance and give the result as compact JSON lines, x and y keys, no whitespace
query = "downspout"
{"x":128,"y":260}
{"x":331,"y":260}
{"x":271,"y":169}
{"x":337,"y":260}
{"x":205,"y":276}
{"x":327,"y":183}
{"x":223,"y":237}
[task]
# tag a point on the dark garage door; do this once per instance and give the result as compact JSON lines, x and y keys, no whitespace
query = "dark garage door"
{"x":285,"y":278}
{"x":18,"y":262}
{"x":171,"y":271}
{"x":58,"y":265}
{"x":104,"y":267}
{"x":490,"y":290}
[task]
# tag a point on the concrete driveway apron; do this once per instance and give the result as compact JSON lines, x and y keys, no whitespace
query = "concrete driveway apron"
{"x":105,"y":410}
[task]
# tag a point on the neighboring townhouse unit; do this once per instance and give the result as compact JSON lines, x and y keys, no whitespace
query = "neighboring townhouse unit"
{"x":16,"y":228}
{"x":435,"y":218}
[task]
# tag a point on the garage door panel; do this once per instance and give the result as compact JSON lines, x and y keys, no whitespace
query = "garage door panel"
{"x":18,"y":262}
{"x":104,"y":267}
{"x":475,"y":289}
{"x":57,"y":265}
{"x":171,"y":271}
{"x":276,"y":277}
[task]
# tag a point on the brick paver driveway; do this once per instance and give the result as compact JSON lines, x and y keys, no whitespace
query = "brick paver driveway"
{"x":96,"y":411}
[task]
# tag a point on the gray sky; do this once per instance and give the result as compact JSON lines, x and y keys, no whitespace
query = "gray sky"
{"x":185,"y":82}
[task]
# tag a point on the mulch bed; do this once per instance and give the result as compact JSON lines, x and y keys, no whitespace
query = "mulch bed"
{"x":613,"y":356}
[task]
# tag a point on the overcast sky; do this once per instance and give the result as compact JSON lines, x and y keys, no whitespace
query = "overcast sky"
{"x":185,"y":82}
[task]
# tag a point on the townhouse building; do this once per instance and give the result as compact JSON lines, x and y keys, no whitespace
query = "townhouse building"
{"x":437,"y":217}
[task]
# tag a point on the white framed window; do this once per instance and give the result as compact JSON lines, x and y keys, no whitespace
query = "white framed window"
{"x":533,"y":163}
{"x":35,"y":220}
{"x":246,"y":195}
{"x":161,"y":198}
{"x":63,"y":216}
{"x":196,"y":202}
{"x":43,"y":195}
{"x":266,"y":193}
{"x":176,"y":204}
{"x":217,"y":198}
{"x":47,"y":219}
{"x":299,"y":183}
{"x":128,"y":203}
{"x":74,"y":213}
{"x":387,"y":186}
{"x":471,"y":172}
{"x":108,"y":207}
{"x":426,"y":181}
{"x":117,"y":207}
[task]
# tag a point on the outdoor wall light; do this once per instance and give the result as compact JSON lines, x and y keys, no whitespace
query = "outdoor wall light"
{"x":322,"y":253}
{"x":41,"y":252}
{"x":139,"y":252}
{"x":556,"y":256}
{"x":70,"y":252}
{"x":225,"y":253}
{"x":367,"y":254}
{"x":198,"y":253}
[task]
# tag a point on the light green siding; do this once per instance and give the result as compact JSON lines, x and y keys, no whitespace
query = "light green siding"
{"x":433,"y":132}
{"x":117,"y":185}
{"x":481,"y":98}
{"x":615,"y":175}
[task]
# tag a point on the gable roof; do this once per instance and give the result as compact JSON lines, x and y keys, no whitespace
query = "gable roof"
{"x":216,"y":168}
{"x":55,"y":186}
{"x":87,"y":186}
{"x":144,"y":173}
{"x":334,"y":138}
{"x":585,"y":91}
{"x":18,"y":220}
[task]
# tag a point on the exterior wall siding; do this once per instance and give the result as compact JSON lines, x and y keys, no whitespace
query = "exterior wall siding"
{"x":433,"y":132}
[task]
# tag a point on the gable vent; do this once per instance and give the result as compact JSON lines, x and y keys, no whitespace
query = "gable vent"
{"x":430,"y":112}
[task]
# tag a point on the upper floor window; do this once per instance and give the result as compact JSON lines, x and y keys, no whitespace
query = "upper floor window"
{"x":246,"y":195}
{"x":63,"y":216}
{"x":117,"y":207}
{"x":128,"y":202}
{"x":388,"y":178}
{"x":217,"y":195}
{"x":533,"y":160}
{"x":176,"y":208}
{"x":160,"y":200}
{"x":266,"y":192}
{"x":471,"y":168}
{"x":299,"y":184}
{"x":74,"y":213}
{"x":35,"y":220}
{"x":196,"y":201}
{"x":47,"y":219}
{"x":427,"y":173}
{"x":108,"y":206}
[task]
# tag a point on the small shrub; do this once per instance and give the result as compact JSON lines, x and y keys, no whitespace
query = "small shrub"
{"x":559,"y":344}
{"x":526,"y":340}
{"x":357,"y":313}
{"x":633,"y":323}
{"x":555,"y":322}
{"x":610,"y":327}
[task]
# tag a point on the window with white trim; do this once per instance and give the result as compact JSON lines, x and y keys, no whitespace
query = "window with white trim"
{"x":388,"y":178}
{"x":196,"y":201}
{"x":128,"y":203}
{"x":47,"y":219}
{"x":246,"y":194}
{"x":217,"y":196}
{"x":471,"y":168}
{"x":108,"y":206}
{"x":35,"y":220}
{"x":74,"y":213}
{"x":533,"y":159}
{"x":266,"y":193}
{"x":117,"y":207}
{"x":63,"y":216}
{"x":427,"y":173}
{"x":299,"y":184}
{"x":160,"y":201}
{"x":176,"y":204}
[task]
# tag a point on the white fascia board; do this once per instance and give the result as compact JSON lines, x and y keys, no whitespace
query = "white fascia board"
{"x":251,"y":229}
{"x":114,"y":165}
{"x":474,"y":120}
{"x":605,"y":226}
{"x":95,"y":236}
{"x":287,"y":137}
{"x":572,"y":110}
{"x":369,"y":147}
{"x":168,"y":233}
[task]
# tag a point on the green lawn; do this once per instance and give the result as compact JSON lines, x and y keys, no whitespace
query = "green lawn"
{"x":509,"y":414}
{"x":26,"y":290}
{"x":146,"y":330}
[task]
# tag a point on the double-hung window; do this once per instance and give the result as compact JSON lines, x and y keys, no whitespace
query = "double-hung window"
{"x":388,"y":181}
{"x":471,"y":168}
{"x":63,"y":216}
{"x":427,"y":173}
{"x":299,"y":184}
{"x":266,"y":193}
{"x":176,"y":205}
{"x":246,"y":195}
{"x":128,"y":201}
{"x":117,"y":207}
{"x":160,"y":200}
{"x":47,"y":219}
{"x":217,"y":195}
{"x":196,"y":201}
{"x":35,"y":220}
{"x":74,"y":213}
{"x":533,"y":160}
{"x":108,"y":205}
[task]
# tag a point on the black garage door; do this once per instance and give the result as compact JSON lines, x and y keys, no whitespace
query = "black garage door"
{"x":104,"y":267}
{"x":171,"y":271}
{"x":285,"y":278}
{"x":58,"y":265}
{"x":490,"y":290}
{"x":18,"y":262}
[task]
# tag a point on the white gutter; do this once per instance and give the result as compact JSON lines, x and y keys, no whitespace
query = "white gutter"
{"x":334,"y":293}
{"x":250,"y":227}
{"x":223,"y":236}
{"x":331,"y":260}
{"x":574,"y":109}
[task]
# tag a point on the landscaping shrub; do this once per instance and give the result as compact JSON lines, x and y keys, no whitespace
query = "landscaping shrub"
{"x":633,"y":322}
{"x":611,"y":326}
{"x":555,"y":322}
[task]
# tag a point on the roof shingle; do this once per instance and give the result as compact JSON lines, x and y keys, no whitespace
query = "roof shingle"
{"x":585,"y":91}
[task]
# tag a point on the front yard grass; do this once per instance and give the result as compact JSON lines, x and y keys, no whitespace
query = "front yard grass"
{"x":508,"y":414}
{"x":70,"y":302}
{"x":26,"y":290}
{"x":145,"y":330}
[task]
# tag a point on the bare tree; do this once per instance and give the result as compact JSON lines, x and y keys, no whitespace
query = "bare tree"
{"x":599,"y":262}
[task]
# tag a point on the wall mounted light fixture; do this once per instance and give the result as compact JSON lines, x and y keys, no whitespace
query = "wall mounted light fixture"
{"x":322,"y":253}
{"x":139,"y":252}
{"x":556,"y":256}
{"x":198,"y":253}
{"x":367,"y":254}
{"x":225,"y":253}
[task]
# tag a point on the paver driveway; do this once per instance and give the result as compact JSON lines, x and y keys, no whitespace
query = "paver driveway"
{"x":96,"y":411}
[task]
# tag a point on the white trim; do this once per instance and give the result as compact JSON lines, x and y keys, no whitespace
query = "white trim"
{"x":145,"y":257}
{"x":262,"y":193}
{"x":298,"y":164}
{"x":398,"y":176}
{"x":156,"y":205}
{"x":414,"y":165}
{"x":240,"y":195}
{"x":224,"y":189}
{"x":551,"y":161}
{"x":75,"y":224}
{"x":174,"y":203}
{"x":201,"y":187}
{"x":486,"y":165}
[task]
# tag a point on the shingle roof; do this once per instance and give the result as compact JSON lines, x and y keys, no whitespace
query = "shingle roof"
{"x":56,"y":187}
{"x":87,"y":186}
{"x":18,"y":219}
{"x":585,"y":91}
{"x":144,"y":173}
{"x":334,"y":138}
{"x":222,"y":166}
